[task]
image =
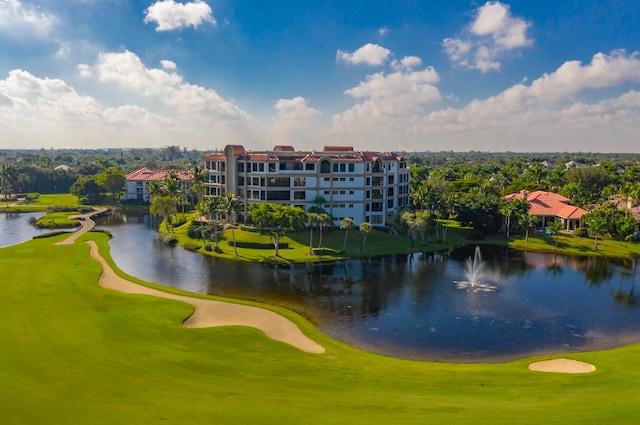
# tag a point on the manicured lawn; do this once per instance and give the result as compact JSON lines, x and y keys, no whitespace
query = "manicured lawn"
{"x":58,"y":219}
{"x":43,"y":202}
{"x":577,"y":246}
{"x":74,"y":353}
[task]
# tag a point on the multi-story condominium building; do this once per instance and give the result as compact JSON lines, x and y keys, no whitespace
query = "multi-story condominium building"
{"x":137,"y":185}
{"x":366,"y":186}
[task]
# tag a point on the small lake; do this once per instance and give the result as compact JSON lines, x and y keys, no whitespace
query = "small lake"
{"x":410,"y":307}
{"x":15,"y":228}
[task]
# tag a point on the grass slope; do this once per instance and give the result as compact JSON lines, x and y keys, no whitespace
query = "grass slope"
{"x":72,"y":352}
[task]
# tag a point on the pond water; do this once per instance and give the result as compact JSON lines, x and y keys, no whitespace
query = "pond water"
{"x":410,"y":307}
{"x":15,"y":228}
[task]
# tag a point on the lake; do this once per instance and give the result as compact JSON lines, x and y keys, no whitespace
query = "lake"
{"x":410,"y":307}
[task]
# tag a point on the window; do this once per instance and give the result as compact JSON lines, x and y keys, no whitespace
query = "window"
{"x":325,"y":166}
{"x":327,"y":192}
{"x":390,"y":204}
{"x":343,"y":179}
{"x":213,"y":178}
{"x":352,"y":168}
{"x":390,"y":179}
{"x":240,"y":181}
{"x":343,"y":168}
{"x":368,"y":181}
{"x":278,"y":195}
{"x":367,"y":194}
{"x":351,"y":192}
{"x":351,"y":179}
{"x":279,"y":182}
{"x":299,"y":194}
{"x":261,"y":167}
{"x":213,"y":165}
{"x":335,"y":168}
{"x":272,"y":167}
{"x":222,"y":166}
{"x":255,"y":181}
{"x":310,"y":167}
{"x":299,"y":181}
{"x":376,"y":206}
{"x":254,"y":167}
{"x":342,"y":192}
{"x":390,"y":191}
{"x":376,"y":219}
{"x":327,"y":179}
{"x":241,"y":167}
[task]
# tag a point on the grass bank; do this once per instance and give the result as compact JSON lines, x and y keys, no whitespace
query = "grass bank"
{"x":73,"y":352}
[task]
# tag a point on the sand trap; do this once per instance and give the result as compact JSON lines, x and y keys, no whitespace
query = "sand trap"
{"x":210,"y":313}
{"x":562,"y":366}
{"x":86,"y":224}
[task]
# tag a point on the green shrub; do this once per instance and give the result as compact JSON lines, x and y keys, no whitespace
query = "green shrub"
{"x":326,"y":251}
{"x":191,"y":246}
{"x":51,"y":234}
{"x":32,"y":196}
{"x":105,"y":231}
{"x":258,"y":245}
{"x":208,"y":247}
{"x":581,"y":232}
{"x":168,"y":239}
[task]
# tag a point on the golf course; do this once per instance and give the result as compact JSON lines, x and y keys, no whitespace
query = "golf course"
{"x":74,"y":352}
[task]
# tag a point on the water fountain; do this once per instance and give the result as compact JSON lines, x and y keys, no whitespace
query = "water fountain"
{"x":474,"y":273}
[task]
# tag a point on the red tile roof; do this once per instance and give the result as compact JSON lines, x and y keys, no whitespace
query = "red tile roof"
{"x":147,"y":174}
{"x":548,"y":204}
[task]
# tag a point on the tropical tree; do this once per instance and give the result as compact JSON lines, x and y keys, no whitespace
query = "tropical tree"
{"x":527,"y":222}
{"x":365,"y":229}
{"x":202,"y":208}
{"x":346,"y":224}
{"x":231,"y":206}
{"x":6,"y":180}
{"x":87,"y":189}
{"x":161,"y":203}
{"x":324,"y":220}
{"x":276,"y":219}
{"x":506,"y":209}
{"x":215,"y":205}
{"x":198,"y":180}
{"x":596,"y":226}
{"x":112,"y":180}
{"x":414,"y":223}
{"x":173,"y":188}
{"x":554,"y":227}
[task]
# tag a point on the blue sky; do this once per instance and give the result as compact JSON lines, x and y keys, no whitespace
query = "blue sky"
{"x":379,"y":75}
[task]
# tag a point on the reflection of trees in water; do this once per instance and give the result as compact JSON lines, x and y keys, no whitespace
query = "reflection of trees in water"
{"x":596,"y":270}
{"x":555,"y":265}
{"x":626,"y":295}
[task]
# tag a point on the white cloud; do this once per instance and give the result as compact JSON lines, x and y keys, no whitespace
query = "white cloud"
{"x":493,"y":32}
{"x":127,"y":70}
{"x":295,"y":122}
{"x":170,"y":15}
{"x":168,"y":65}
{"x":555,"y":111}
{"x":389,"y":100}
{"x":17,"y":20}
{"x":382,"y":31}
{"x":369,"y":54}
{"x":84,"y":70}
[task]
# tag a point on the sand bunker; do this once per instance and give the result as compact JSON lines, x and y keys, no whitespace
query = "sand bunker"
{"x":210,"y":313}
{"x":562,"y":366}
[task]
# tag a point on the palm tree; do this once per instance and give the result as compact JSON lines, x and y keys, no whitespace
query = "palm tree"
{"x":230,"y":205}
{"x":203,"y":209}
{"x":554,"y":227}
{"x":506,"y":209}
{"x":346,"y":224}
{"x":313,"y":220}
{"x":198,"y":180}
{"x":215,"y":206}
{"x":596,"y":226}
{"x":413,"y":224}
{"x":324,"y":219}
{"x":159,"y":202}
{"x":365,"y":229}
{"x":527,"y":222}
{"x":173,"y":188}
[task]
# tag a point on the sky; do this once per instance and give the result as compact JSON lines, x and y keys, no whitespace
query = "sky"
{"x":392,"y":75}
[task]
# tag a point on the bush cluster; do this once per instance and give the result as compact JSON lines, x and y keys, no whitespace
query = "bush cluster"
{"x":258,"y":245}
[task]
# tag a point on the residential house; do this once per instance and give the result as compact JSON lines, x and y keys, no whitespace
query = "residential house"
{"x":548,"y":207}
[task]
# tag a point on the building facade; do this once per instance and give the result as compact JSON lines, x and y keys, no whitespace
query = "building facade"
{"x":365,"y":186}
{"x":137,"y":183}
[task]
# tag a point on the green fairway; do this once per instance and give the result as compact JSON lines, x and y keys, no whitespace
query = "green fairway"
{"x":72,"y":352}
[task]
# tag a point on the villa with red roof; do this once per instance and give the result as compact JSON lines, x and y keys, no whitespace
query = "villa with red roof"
{"x":137,"y":186}
{"x":548,"y":207}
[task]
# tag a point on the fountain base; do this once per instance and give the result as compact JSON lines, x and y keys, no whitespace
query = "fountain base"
{"x":475,"y":287}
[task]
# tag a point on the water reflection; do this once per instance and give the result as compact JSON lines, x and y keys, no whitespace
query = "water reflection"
{"x":408,"y":306}
{"x":15,"y":228}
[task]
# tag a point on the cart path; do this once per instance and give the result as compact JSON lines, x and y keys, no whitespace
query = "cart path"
{"x":210,"y":313}
{"x":86,"y":224}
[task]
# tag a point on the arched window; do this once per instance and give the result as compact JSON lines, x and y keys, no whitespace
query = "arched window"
{"x":325,"y":166}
